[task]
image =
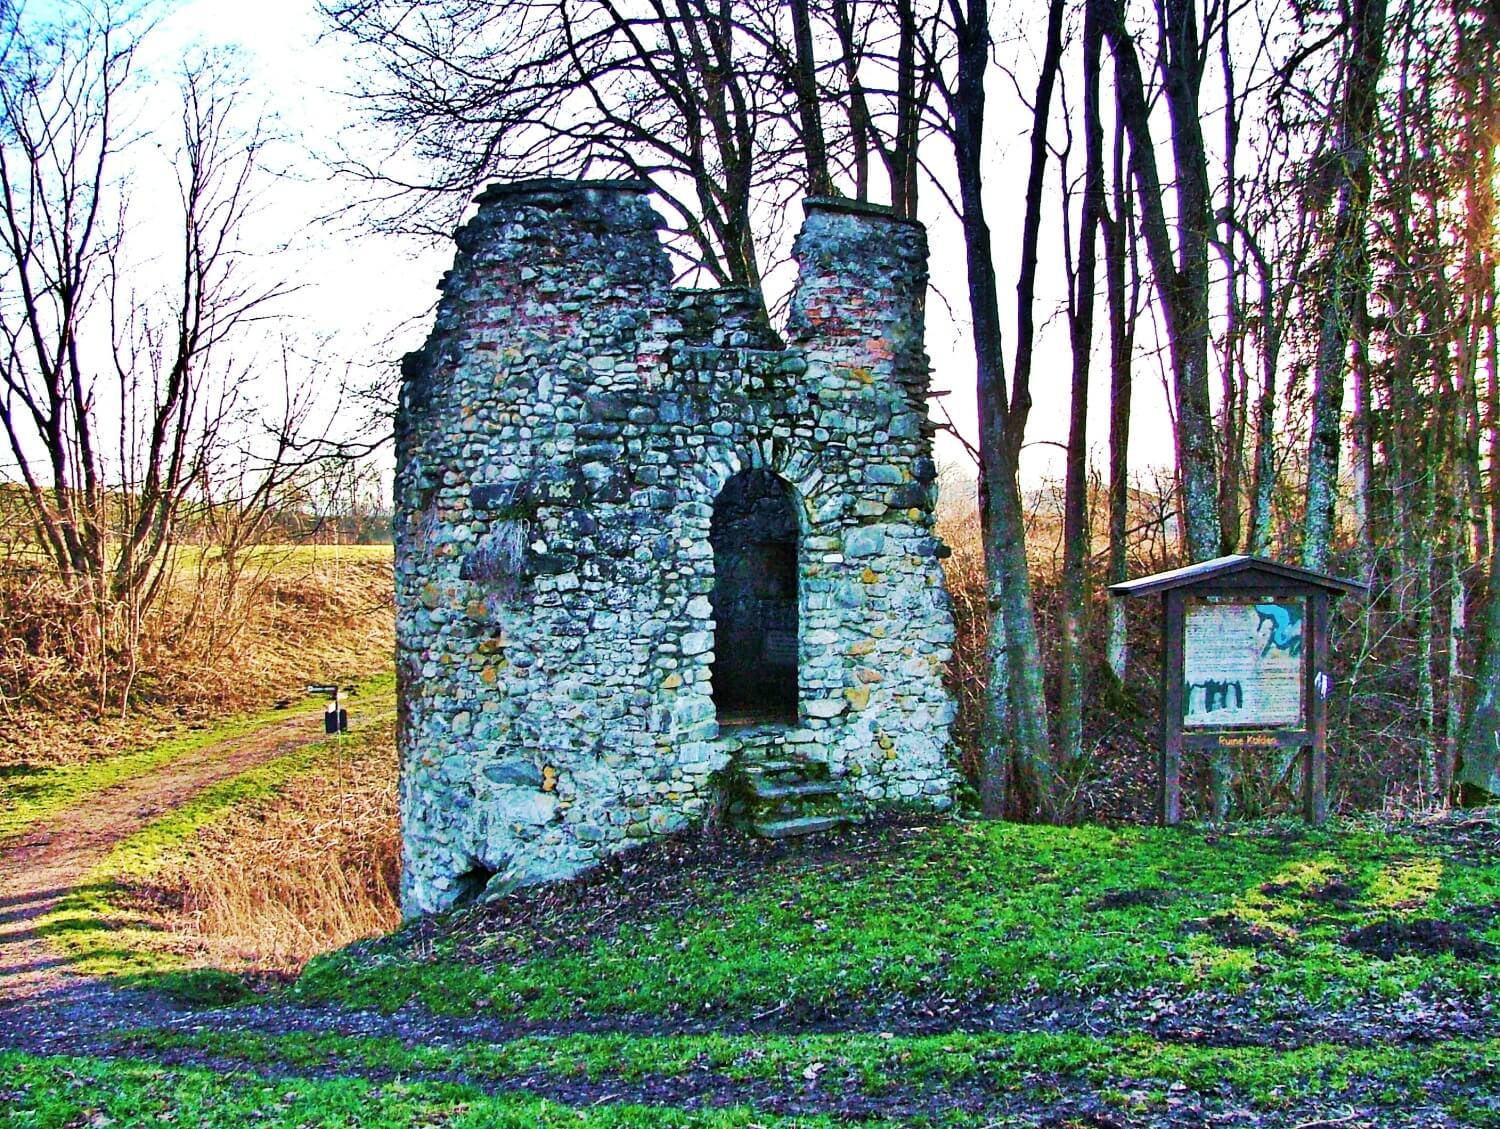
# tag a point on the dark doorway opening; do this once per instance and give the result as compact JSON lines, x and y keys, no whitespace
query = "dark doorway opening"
{"x":754,"y":537}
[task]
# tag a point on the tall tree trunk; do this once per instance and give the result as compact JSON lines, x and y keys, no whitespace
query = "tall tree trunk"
{"x":1181,"y":279}
{"x":1362,"y":434}
{"x":1453,"y":696}
{"x":1263,"y":482}
{"x":1121,"y":346}
{"x":1348,"y":274}
{"x":819,"y":183}
{"x":1017,"y":721}
{"x":1426,"y":600}
{"x":857,"y":108}
{"x":1478,"y":771}
{"x":1075,"y":501}
{"x":1235,"y":372}
{"x":904,"y":165}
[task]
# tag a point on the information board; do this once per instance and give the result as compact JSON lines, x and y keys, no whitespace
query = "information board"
{"x":1243,"y":664}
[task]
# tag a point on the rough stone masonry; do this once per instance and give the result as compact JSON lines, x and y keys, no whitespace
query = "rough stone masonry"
{"x":581,"y":449}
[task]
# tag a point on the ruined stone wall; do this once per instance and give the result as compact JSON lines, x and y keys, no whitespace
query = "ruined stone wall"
{"x":561,"y":440}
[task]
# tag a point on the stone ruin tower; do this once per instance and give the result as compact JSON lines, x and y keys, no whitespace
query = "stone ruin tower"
{"x":654,"y":565}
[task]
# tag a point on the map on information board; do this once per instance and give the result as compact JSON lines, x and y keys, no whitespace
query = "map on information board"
{"x":1242,"y":665}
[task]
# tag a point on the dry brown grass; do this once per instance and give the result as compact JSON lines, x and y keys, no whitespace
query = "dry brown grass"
{"x":1377,"y":717}
{"x":202,"y":652}
{"x":958,"y":526}
{"x":1113,"y":780}
{"x":277,"y":882}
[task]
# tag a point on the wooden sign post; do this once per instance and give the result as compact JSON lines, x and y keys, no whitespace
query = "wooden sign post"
{"x":335,"y":716}
{"x":1244,"y":666}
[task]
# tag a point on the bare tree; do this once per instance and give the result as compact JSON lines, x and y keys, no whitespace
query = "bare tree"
{"x":1347,"y":274}
{"x":1076,"y":529}
{"x":1120,"y":263}
{"x":1181,"y":275}
{"x":681,"y":95}
{"x":725,"y":107}
{"x":1017,"y":773}
{"x":114,"y":394}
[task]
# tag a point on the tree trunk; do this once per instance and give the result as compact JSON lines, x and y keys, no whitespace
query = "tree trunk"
{"x":1017,"y":721}
{"x":1075,"y":501}
{"x":1121,"y":346}
{"x":1478,"y":771}
{"x":819,"y":183}
{"x":1183,"y":288}
{"x":1348,"y":275}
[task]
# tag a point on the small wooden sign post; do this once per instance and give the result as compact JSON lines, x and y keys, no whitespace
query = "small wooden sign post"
{"x":1244,"y":666}
{"x":335,"y":716}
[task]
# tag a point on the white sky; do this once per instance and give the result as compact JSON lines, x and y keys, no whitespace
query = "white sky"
{"x":360,"y":287}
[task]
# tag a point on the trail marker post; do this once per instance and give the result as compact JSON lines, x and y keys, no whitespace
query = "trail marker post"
{"x":335,"y":716}
{"x":1244,"y":666}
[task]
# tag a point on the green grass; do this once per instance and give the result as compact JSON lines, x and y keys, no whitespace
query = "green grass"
{"x":96,"y":932}
{"x":874,"y":1064}
{"x":290,"y":555}
{"x":60,"y":1093}
{"x":287,"y":557}
{"x":987,"y":912}
{"x":30,"y":797}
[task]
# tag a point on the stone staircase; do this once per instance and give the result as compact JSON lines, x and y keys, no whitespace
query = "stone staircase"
{"x":776,"y":792}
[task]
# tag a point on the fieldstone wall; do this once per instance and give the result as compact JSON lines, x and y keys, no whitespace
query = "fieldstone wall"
{"x":562,"y":439}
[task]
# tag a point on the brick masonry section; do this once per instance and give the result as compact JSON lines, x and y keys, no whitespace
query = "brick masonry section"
{"x":562,"y":439}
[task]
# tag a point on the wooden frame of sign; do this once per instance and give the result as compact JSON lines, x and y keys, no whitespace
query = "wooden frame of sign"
{"x":1244,"y":666}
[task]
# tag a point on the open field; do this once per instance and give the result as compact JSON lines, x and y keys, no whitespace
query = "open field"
{"x":245,"y":874}
{"x":255,"y":873}
{"x":28,"y":795}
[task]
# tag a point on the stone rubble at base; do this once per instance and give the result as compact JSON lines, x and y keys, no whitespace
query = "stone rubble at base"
{"x":561,"y":440}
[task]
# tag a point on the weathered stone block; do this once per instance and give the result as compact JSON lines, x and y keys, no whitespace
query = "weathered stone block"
{"x":697,"y":642}
{"x":514,"y":773}
{"x":864,"y":541}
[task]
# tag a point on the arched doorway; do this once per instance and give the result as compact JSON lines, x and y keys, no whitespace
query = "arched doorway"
{"x":754,"y":537}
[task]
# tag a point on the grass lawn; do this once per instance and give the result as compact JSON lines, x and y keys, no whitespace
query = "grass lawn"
{"x":738,"y":984}
{"x":61,"y":1093}
{"x":960,"y":914}
{"x":1133,"y":1070}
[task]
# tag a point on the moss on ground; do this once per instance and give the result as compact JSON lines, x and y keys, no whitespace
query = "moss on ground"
{"x":968,"y":912}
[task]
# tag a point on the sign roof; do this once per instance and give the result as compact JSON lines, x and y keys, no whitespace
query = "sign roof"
{"x":1206,"y":572}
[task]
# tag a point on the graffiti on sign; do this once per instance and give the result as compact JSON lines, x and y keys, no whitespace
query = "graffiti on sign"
{"x":1242,"y":664}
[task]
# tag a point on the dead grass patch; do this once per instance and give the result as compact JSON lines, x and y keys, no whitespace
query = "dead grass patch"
{"x":276,"y":882}
{"x":295,"y":616}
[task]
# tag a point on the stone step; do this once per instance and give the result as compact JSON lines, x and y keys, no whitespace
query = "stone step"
{"x":775,"y":791}
{"x":798,"y":825}
{"x":780,"y":768}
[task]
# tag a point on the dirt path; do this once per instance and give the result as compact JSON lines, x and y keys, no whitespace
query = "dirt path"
{"x":39,"y":868}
